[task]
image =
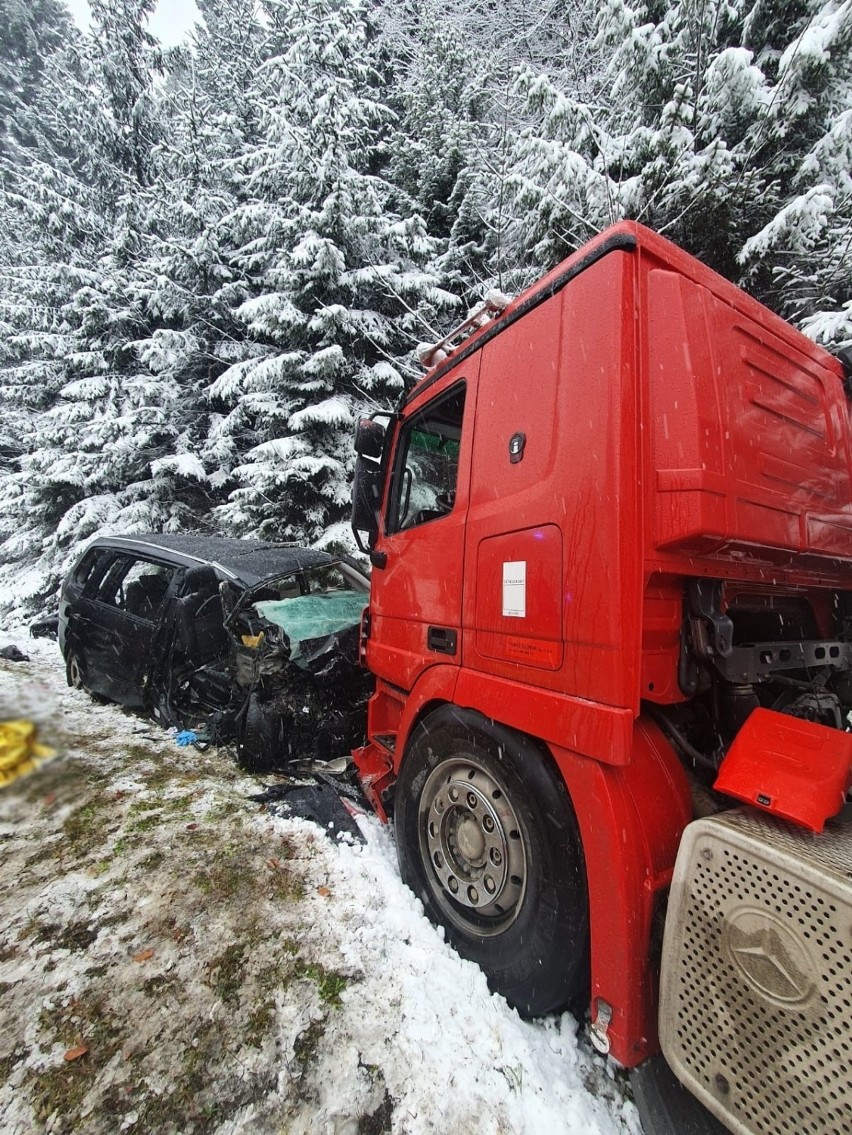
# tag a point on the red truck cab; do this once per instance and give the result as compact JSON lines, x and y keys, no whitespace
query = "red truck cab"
{"x":612,"y":543}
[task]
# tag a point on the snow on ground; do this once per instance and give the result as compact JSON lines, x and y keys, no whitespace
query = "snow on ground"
{"x":174,"y":958}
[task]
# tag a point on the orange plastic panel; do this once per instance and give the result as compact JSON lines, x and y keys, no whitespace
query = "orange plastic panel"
{"x":795,"y":769}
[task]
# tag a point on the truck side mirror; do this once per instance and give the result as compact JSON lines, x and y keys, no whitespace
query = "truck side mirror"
{"x":366,"y":500}
{"x":369,"y":438}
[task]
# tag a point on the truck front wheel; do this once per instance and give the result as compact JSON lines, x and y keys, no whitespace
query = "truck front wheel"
{"x":488,"y":840}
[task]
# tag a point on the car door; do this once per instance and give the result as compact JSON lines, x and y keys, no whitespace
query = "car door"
{"x":122,"y":619}
{"x":75,"y":600}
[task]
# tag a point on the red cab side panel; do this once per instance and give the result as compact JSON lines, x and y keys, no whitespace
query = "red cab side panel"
{"x":552,"y":565}
{"x":749,"y":427}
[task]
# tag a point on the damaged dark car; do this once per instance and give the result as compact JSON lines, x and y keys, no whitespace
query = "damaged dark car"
{"x":244,"y":641}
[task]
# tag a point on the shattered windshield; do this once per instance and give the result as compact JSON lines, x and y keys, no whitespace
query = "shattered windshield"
{"x":313,"y":604}
{"x":313,"y":616}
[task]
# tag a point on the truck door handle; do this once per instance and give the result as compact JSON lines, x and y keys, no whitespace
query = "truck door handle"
{"x":442,"y":640}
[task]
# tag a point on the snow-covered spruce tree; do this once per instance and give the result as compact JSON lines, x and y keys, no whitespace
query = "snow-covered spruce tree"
{"x":540,"y":34}
{"x":720,"y":122}
{"x":339,"y":291}
{"x":430,"y":141}
{"x":800,"y":260}
{"x":458,"y":93}
{"x":659,"y":126}
{"x":560,"y":192}
{"x":186,"y":282}
{"x":52,"y":222}
{"x":100,"y":420}
{"x":30,"y":34}
{"x":30,"y":31}
{"x":750,"y":93}
{"x":439,"y":146}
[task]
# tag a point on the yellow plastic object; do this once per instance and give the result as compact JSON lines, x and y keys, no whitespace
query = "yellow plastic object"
{"x":252,"y":641}
{"x":20,"y":752}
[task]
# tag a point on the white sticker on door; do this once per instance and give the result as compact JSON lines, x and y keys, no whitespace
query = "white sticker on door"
{"x":515,"y":589}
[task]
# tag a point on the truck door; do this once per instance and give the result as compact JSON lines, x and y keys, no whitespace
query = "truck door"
{"x":416,"y":599}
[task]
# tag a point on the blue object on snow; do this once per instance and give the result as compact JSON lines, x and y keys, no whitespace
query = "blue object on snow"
{"x":186,"y":737}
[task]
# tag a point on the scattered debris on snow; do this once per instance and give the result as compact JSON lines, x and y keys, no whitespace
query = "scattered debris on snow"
{"x":175,"y":956}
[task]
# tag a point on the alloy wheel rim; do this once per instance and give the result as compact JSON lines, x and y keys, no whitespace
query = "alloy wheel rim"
{"x":471,"y":843}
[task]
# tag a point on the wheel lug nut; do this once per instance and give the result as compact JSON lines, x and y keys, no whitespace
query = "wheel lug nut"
{"x":488,"y":823}
{"x":496,"y":857}
{"x":453,"y":884}
{"x":473,"y":894}
{"x":471,"y":800}
{"x":454,"y":794}
{"x":489,"y":884}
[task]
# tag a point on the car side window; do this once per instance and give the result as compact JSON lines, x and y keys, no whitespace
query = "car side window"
{"x":136,"y":586}
{"x":427,"y":463}
{"x":90,"y":565}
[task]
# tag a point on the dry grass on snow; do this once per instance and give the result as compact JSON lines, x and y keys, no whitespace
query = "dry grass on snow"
{"x":152,"y":975}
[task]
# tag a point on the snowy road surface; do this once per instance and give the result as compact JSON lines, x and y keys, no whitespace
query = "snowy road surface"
{"x":173,"y":958}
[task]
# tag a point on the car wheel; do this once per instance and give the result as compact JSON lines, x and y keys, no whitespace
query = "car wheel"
{"x":488,"y":840}
{"x":74,"y":672}
{"x":75,"y":679}
{"x":260,"y":745}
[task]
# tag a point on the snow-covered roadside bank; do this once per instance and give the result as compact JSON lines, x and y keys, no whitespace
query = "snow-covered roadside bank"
{"x":230,"y":971}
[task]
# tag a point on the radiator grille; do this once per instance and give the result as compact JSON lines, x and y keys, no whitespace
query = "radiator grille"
{"x":756,"y":991}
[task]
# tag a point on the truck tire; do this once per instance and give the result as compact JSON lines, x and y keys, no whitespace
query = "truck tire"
{"x":487,"y":839}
